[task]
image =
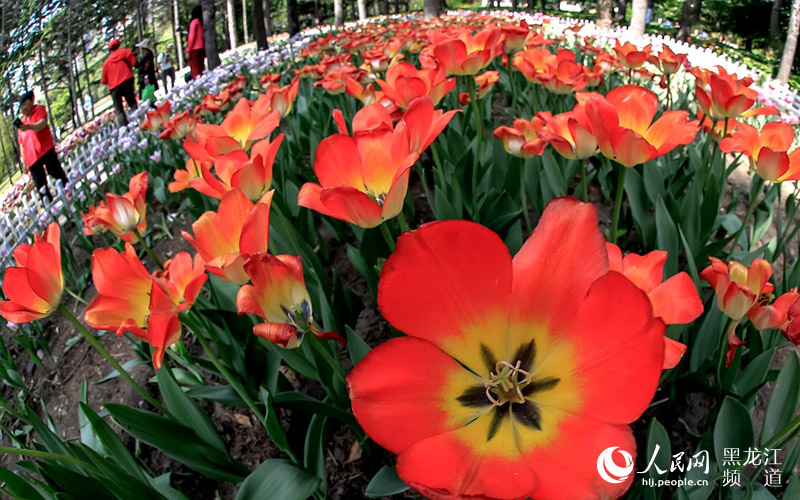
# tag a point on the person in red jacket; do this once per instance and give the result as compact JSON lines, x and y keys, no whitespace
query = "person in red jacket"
{"x":196,"y":47}
{"x":38,"y":148}
{"x":118,"y":76}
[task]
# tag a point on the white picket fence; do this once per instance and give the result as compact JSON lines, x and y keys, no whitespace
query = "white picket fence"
{"x":31,"y":214}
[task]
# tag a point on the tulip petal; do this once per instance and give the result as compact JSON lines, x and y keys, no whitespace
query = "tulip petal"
{"x":676,"y":300}
{"x":444,"y":282}
{"x":558,"y":263}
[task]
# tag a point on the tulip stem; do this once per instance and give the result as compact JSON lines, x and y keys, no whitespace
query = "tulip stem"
{"x":387,"y":236}
{"x":439,"y":169}
{"x":524,"y":197}
{"x":147,"y":249}
{"x":234,"y":382}
{"x":401,"y":220}
{"x":113,"y":362}
{"x":476,"y":111}
{"x":510,"y":72}
{"x":583,"y":180}
{"x":348,"y":110}
{"x":618,"y":203}
{"x":751,"y":206}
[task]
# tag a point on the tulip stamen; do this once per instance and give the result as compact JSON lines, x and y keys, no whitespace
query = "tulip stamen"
{"x":507,"y":381}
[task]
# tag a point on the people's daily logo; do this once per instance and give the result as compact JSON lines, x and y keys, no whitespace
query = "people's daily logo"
{"x":608,"y":468}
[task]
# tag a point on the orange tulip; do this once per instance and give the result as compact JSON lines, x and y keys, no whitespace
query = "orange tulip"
{"x":515,"y":36}
{"x":737,"y":287}
{"x":279,"y":296}
{"x":675,"y":300}
{"x":182,"y":278}
{"x":622,"y":123}
{"x":363,"y":178}
{"x":570,"y":133}
{"x":247,"y":122}
{"x":404,"y":83}
{"x":35,"y":285}
{"x":123,"y":215}
{"x":559,"y":74}
{"x":180,"y":126}
{"x":468,"y":54}
{"x":523,"y":139}
{"x":722,"y":95}
{"x":424,"y":124}
{"x":156,"y":119}
{"x":668,"y":61}
{"x":282,"y":98}
{"x":630,"y":55}
{"x":768,"y":151}
{"x":225,"y":239}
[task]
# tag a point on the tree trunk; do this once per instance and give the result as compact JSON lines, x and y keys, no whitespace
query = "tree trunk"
{"x":268,"y":17}
{"x":259,"y":31}
{"x":396,"y":6}
{"x":176,"y":24}
{"x":338,"y":12}
{"x":543,"y":4}
{"x":76,"y":119}
{"x":44,"y":89}
{"x":432,"y":8}
{"x":791,"y":43}
{"x":622,"y":11}
{"x":362,"y":9}
{"x":292,"y":18}
{"x":87,"y":73}
{"x":638,"y":17}
{"x":690,"y":15}
{"x":231,"y":23}
{"x":531,"y":7}
{"x":604,"y":10}
{"x":385,"y":5}
{"x":244,"y":21}
{"x":774,"y":19}
{"x":210,"y":34}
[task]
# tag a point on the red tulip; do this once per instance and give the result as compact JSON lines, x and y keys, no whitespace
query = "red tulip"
{"x":768,"y":151}
{"x":363,"y":178}
{"x":123,"y":215}
{"x":35,"y":285}
{"x":404,"y":83}
{"x":523,"y":140}
{"x":228,"y":237}
{"x":675,"y":300}
{"x":279,"y":296}
{"x":622,"y":123}
{"x":721,"y":95}
{"x":515,"y":373}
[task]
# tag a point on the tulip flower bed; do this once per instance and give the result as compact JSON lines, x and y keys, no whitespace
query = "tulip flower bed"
{"x":474,"y":257}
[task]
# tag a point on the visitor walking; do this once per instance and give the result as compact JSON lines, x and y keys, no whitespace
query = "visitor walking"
{"x":196,"y":47}
{"x":38,"y":148}
{"x":146,"y":64}
{"x":118,"y":76}
{"x":166,"y":67}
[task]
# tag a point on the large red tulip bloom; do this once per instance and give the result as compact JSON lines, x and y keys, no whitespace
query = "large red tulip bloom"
{"x":35,"y":285}
{"x":516,"y":373}
{"x":404,"y":83}
{"x":362,"y":179}
{"x":469,"y":54}
{"x":623,"y":125}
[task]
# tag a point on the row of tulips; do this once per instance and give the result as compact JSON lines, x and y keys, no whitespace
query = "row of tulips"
{"x":516,"y":372}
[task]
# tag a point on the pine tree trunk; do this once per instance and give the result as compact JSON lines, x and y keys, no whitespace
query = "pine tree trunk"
{"x":604,"y":10}
{"x":231,"y":23}
{"x":244,"y":21}
{"x":259,"y":31}
{"x":292,"y":16}
{"x":638,"y":17}
{"x":362,"y":9}
{"x":690,"y":15}
{"x":338,"y":12}
{"x":622,"y":11}
{"x":774,"y":19}
{"x":791,"y":43}
{"x":268,"y":16}
{"x":432,"y":8}
{"x":176,"y":23}
{"x":210,"y":33}
{"x":87,"y":73}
